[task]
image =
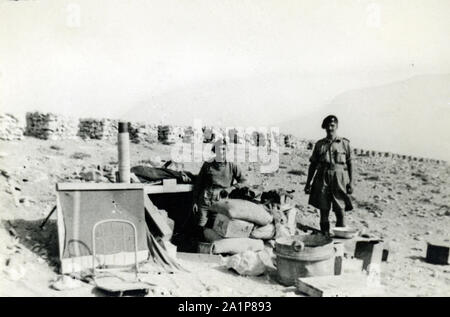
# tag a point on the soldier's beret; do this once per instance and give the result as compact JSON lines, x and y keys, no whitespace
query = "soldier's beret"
{"x":329,"y":119}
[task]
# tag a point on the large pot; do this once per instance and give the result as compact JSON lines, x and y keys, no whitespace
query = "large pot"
{"x":304,"y":256}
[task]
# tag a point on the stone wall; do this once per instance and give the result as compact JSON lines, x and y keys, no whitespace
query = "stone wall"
{"x":53,"y":126}
{"x":50,"y":126}
{"x":143,"y":132}
{"x":111,"y":128}
{"x":97,"y":129}
{"x":168,"y":134}
{"x":380,"y":154}
{"x":191,"y":136}
{"x":11,"y":127}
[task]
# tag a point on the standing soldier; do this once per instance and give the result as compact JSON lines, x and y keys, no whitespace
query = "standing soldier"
{"x":331,"y":167}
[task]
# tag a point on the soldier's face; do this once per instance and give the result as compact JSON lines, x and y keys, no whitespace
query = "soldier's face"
{"x":331,"y":128}
{"x":221,"y":153}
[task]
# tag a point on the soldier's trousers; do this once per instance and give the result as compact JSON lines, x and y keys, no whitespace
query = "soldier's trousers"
{"x":325,"y":222}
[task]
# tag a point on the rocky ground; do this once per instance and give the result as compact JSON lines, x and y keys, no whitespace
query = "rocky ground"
{"x":405,"y":203}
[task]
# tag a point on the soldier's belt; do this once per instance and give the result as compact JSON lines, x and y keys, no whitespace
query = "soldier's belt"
{"x":331,"y":165}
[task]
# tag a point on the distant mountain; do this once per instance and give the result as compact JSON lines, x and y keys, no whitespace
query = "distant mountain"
{"x":410,"y":117}
{"x":259,"y":100}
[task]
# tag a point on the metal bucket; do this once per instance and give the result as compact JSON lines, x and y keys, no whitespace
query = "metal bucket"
{"x":304,"y":256}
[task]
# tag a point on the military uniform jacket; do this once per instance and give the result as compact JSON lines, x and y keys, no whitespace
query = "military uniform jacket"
{"x":331,"y":177}
{"x":213,"y":177}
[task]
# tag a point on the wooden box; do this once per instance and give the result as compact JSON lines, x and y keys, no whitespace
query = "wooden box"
{"x":232,"y":228}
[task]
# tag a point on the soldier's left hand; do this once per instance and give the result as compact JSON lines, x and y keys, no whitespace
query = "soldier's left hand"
{"x":349,"y":189}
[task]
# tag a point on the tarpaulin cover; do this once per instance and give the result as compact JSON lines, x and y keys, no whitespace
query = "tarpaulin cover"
{"x":147,"y":173}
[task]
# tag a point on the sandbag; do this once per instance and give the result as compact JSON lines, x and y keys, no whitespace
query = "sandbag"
{"x":244,"y":210}
{"x":210,"y":235}
{"x":247,"y":263}
{"x":281,"y":231}
{"x":266,"y":232}
{"x":237,"y":245}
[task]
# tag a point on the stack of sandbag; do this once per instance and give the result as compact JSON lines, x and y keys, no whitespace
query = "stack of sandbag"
{"x":234,"y":226}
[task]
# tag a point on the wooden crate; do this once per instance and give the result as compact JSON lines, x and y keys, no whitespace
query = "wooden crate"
{"x":346,"y":285}
{"x":232,"y":228}
{"x":437,"y":252}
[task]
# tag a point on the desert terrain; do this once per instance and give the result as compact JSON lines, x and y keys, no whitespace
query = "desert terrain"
{"x":406,"y":203}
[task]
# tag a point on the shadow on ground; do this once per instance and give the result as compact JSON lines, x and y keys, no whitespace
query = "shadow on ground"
{"x":420,"y":258}
{"x":43,"y":242}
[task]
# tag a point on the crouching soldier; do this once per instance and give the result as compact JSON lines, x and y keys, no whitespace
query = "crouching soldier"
{"x":331,"y":167}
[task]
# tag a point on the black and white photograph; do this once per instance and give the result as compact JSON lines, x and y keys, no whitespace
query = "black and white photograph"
{"x":235,"y":150}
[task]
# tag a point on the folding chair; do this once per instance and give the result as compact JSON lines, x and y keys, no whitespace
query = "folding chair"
{"x":113,"y":283}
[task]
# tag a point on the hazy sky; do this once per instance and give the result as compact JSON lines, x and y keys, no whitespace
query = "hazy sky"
{"x":174,"y":58}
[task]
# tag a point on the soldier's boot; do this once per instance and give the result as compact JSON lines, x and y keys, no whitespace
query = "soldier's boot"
{"x":340,"y":218}
{"x":325,"y":228}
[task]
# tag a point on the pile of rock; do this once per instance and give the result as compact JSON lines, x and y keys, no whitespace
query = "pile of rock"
{"x":289,"y":141}
{"x":11,"y":128}
{"x":305,"y":144}
{"x":97,"y":174}
{"x":98,"y":129}
{"x":50,"y":126}
{"x":142,"y":132}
